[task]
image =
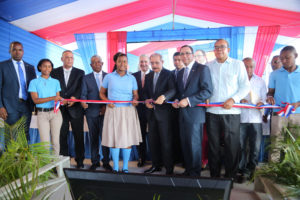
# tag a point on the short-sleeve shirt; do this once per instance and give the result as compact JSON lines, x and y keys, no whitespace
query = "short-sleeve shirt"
{"x":45,"y":88}
{"x":119,"y":88}
{"x":286,"y":85}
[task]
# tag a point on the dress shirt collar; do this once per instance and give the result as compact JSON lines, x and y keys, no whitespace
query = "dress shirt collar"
{"x":147,"y":72}
{"x":228,"y":61}
{"x":178,"y":70}
{"x":67,"y":70}
{"x":49,"y":78}
{"x":190,"y":65}
{"x":16,"y":62}
{"x":95,"y":73}
{"x":116,"y":73}
{"x":254,"y":76}
{"x":282,"y":69}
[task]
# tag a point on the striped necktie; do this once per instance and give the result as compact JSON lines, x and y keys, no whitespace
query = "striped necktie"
{"x":22,"y":81}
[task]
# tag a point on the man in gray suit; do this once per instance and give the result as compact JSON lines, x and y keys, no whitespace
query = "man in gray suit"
{"x":15,"y":76}
{"x":194,"y":86}
{"x":91,"y":84}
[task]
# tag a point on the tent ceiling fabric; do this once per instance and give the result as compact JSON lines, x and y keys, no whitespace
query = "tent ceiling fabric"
{"x":59,"y":20}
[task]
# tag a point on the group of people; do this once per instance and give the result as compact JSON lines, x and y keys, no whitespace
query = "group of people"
{"x":179,"y":131}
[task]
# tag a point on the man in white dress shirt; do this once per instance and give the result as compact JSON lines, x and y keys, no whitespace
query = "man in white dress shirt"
{"x":251,"y":121}
{"x":230,"y":85}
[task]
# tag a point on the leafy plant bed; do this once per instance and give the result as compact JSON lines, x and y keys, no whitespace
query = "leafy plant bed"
{"x":282,"y":179}
{"x":25,"y":168}
{"x":6,"y":192}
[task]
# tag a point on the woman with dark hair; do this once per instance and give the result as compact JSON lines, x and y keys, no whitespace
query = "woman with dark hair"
{"x":121,"y":127}
{"x":115,"y":60}
{"x":44,"y":92}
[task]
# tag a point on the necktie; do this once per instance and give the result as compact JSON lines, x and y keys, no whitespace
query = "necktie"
{"x":143,"y":79}
{"x":185,"y":76}
{"x":155,"y":80}
{"x":22,"y":81}
{"x":98,"y":80}
{"x":67,"y":74}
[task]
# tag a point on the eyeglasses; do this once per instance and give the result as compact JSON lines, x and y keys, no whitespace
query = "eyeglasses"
{"x":185,"y":53}
{"x":220,"y":47}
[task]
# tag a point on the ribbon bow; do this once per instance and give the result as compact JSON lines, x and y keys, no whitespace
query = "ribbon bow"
{"x":286,"y":111}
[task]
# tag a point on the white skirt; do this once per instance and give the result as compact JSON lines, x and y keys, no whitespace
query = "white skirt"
{"x":121,"y":127}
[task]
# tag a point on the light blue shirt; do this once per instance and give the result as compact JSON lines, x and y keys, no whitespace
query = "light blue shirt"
{"x":45,"y":88}
{"x":230,"y":80}
{"x":119,"y":88}
{"x":286,"y":85}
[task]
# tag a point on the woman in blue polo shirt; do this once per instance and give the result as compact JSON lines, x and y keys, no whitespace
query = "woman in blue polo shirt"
{"x":44,"y":92}
{"x":121,"y":127}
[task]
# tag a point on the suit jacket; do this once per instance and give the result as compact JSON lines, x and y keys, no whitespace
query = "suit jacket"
{"x":165,"y":85}
{"x":198,"y":88}
{"x":90,"y":91}
{"x":141,"y":108}
{"x":72,"y":89}
{"x":9,"y":85}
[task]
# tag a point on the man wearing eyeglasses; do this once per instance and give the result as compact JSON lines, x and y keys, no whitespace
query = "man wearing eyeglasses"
{"x":230,"y":85}
{"x":200,"y":56}
{"x":194,"y":86}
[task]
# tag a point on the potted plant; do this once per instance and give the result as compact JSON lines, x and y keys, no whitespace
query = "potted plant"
{"x":20,"y":163}
{"x":284,"y":174}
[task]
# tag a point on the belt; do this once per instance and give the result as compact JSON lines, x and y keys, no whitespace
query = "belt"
{"x":21,"y":100}
{"x":44,"y":109}
{"x":274,"y":114}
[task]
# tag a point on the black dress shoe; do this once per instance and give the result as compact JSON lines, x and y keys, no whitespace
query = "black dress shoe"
{"x":169,"y":172}
{"x":141,"y":163}
{"x":94,"y":166}
{"x":152,"y":169}
{"x":185,"y":173}
{"x":107,"y":167}
{"x":79,"y":165}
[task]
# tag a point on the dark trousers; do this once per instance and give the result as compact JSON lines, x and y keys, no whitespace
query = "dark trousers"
{"x":177,"y":150}
{"x":191,"y":144}
{"x":160,"y":140}
{"x":22,"y":110}
{"x":77,"y":130}
{"x":95,"y":125}
{"x":252,"y":133}
{"x":142,"y":148}
{"x":229,"y":125}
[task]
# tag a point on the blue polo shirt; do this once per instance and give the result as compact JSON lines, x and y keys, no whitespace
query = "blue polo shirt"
{"x":286,"y":85}
{"x":45,"y":88}
{"x":119,"y":88}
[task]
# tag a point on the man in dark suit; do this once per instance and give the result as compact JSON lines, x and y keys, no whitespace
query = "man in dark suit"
{"x":15,"y":76}
{"x":94,"y":113}
{"x":70,"y":79}
{"x":177,"y":152}
{"x":159,"y":87}
{"x":194,"y":86}
{"x":141,"y":108}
